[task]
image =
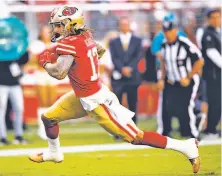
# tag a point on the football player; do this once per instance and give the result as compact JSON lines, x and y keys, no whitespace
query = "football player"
{"x":76,"y":55}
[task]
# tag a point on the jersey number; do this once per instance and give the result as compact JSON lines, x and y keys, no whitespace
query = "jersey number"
{"x":92,"y":54}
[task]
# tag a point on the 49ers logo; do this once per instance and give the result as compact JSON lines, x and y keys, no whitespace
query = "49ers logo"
{"x":68,"y":11}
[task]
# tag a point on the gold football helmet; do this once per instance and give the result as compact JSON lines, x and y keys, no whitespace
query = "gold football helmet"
{"x":68,"y":15}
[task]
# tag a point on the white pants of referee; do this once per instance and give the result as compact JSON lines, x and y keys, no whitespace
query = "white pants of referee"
{"x":15,"y":94}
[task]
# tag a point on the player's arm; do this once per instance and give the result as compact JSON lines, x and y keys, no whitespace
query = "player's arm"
{"x":197,"y":61}
{"x":60,"y":69}
{"x":198,"y":65}
{"x":100,"y":50}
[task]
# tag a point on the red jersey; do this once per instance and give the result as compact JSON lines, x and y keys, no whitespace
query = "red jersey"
{"x":84,"y":72}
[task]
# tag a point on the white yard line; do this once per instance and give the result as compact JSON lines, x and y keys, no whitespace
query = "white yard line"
{"x":88,"y":148}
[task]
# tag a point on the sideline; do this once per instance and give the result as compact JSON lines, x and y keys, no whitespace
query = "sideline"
{"x":89,"y":148}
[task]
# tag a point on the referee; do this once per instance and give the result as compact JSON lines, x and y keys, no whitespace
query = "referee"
{"x":211,"y":49}
{"x":181,"y":63}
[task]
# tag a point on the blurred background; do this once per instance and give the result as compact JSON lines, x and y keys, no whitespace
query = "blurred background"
{"x":26,"y":90}
{"x":102,"y":16}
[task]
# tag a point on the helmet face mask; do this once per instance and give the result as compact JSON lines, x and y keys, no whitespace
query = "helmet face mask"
{"x":70,"y":17}
{"x":54,"y":25}
{"x":56,"y":35}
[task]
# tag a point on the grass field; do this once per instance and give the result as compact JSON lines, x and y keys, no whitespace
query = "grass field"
{"x":141,"y":162}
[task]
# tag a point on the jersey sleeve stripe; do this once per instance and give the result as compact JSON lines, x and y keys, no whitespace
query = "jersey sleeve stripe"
{"x":66,"y":50}
{"x":68,"y":46}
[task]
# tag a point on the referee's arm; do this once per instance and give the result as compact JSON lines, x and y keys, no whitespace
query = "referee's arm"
{"x":160,"y":83}
{"x":196,"y":59}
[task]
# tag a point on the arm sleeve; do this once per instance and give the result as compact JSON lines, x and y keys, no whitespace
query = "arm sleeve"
{"x":199,"y":35}
{"x":118,"y":64}
{"x":209,"y":45}
{"x":215,"y":56}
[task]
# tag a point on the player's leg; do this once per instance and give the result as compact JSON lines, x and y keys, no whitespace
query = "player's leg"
{"x":109,"y":122}
{"x":187,"y":147}
{"x":67,"y":107}
{"x":126,"y":128}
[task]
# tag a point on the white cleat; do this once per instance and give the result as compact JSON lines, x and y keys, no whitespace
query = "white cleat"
{"x":57,"y":157}
{"x":192,"y":153}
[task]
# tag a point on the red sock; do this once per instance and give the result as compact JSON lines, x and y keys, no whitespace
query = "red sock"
{"x":154,"y":139}
{"x":52,"y":132}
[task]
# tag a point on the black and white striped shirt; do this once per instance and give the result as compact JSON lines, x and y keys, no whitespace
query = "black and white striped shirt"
{"x":179,"y":58}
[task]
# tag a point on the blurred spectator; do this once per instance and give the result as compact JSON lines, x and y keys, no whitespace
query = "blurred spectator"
{"x":202,"y":23}
{"x":10,"y":73}
{"x":103,"y":21}
{"x":106,"y":65}
{"x":126,"y":52}
{"x":182,"y":63}
{"x":9,"y":111}
{"x":211,"y":48}
{"x":189,"y":25}
{"x":150,"y":75}
{"x":199,"y":35}
{"x":12,"y":55}
{"x":159,"y":37}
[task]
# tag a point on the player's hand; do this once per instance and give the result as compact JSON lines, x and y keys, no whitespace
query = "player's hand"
{"x":185,"y":82}
{"x":160,"y":85}
{"x":127,"y":71}
{"x":47,"y":57}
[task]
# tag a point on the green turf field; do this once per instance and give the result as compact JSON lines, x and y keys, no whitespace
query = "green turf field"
{"x":142,"y":162}
{"x":147,"y":162}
